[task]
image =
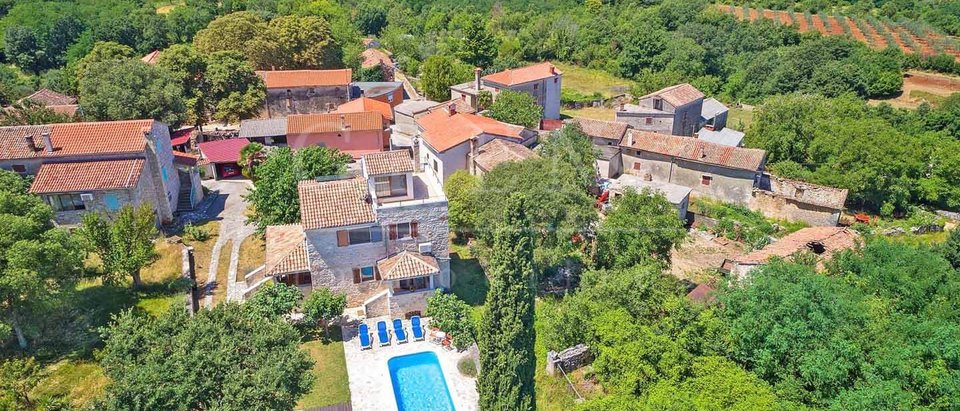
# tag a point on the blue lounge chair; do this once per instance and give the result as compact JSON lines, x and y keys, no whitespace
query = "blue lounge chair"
{"x":365,"y":342}
{"x":416,"y":328}
{"x":398,"y":331}
{"x":383,"y":337}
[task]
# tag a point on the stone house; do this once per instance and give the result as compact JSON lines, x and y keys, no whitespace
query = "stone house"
{"x":821,"y":242}
{"x":798,"y":201}
{"x":499,"y":151}
{"x":606,"y":136}
{"x":97,"y":166}
{"x":304,"y":91}
{"x":56,"y":102}
{"x":673,"y":110}
{"x":380,"y":237}
{"x":449,"y":140}
{"x":721,"y":172}
{"x":677,"y":195}
{"x":542,"y":81}
{"x":352,"y":133}
{"x":390,"y":92}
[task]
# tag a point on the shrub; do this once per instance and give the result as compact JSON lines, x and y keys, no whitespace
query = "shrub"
{"x":467,"y":367}
{"x":450,"y":314}
{"x":196,"y":233}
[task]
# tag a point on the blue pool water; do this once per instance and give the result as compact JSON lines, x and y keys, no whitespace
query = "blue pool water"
{"x":418,"y":383}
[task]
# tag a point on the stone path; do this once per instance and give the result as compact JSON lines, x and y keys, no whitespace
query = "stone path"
{"x":231,"y":213}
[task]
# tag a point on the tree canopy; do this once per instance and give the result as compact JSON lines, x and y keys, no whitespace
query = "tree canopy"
{"x":130,"y":89}
{"x":516,"y":107}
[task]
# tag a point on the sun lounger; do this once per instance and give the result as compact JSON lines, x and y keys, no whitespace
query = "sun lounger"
{"x":416,"y":329}
{"x":365,"y":342}
{"x":398,"y":331}
{"x":383,"y":337}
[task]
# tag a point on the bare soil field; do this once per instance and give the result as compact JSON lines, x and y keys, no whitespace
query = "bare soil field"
{"x":701,"y":251}
{"x":917,"y":84}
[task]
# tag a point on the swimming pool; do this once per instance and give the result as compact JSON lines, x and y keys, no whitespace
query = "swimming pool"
{"x":418,"y":383}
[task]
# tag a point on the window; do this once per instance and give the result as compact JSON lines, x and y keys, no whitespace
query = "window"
{"x":19,"y":168}
{"x":636,"y":166}
{"x":361,"y":274}
{"x":66,"y":202}
{"x":657,"y":104}
{"x":648,"y":120}
{"x":295,"y":279}
{"x":536,"y":86}
{"x":705,"y":180}
{"x":366,"y":273}
{"x":403,"y":230}
{"x":390,"y":186}
{"x":359,"y":236}
{"x":414,"y":284}
{"x":435,"y":167}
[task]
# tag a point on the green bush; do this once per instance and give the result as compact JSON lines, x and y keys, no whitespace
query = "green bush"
{"x":467,"y":367}
{"x":196,"y":233}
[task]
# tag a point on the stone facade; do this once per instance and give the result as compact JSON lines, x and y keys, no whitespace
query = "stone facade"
{"x":662,"y":117}
{"x":784,"y":208}
{"x":282,"y":102}
{"x":725,"y":184}
{"x":143,"y":192}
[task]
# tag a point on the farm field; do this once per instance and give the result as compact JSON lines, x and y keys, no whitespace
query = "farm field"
{"x":910,"y":37}
{"x":920,"y":87}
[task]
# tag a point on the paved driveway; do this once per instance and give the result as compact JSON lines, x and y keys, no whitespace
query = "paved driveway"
{"x":230,"y":209}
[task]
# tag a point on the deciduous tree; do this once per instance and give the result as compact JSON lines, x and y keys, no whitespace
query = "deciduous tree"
{"x":124,"y":243}
{"x":322,"y":306}
{"x":460,"y":189}
{"x":452,"y":315}
{"x":641,"y":226}
{"x":515,"y":107}
{"x":274,"y":300}
{"x":438,"y":73}
{"x":131,"y":89}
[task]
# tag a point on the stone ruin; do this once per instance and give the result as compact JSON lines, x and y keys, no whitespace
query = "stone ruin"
{"x":569,"y":359}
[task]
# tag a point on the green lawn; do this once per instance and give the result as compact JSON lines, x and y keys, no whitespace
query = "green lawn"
{"x":469,"y":281}
{"x":77,"y":380}
{"x":330,"y":371}
{"x":739,"y":119}
{"x":588,"y":81}
{"x":596,"y":113}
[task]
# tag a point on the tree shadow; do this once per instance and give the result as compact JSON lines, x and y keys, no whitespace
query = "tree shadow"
{"x":469,"y":280}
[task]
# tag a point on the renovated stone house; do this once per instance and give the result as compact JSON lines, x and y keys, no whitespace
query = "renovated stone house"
{"x":449,"y":140}
{"x":721,"y":172}
{"x":673,"y":110}
{"x":542,"y":81}
{"x":98,"y":166}
{"x":304,"y":91}
{"x":353,"y":133}
{"x":380,"y":237}
{"x":606,"y":137}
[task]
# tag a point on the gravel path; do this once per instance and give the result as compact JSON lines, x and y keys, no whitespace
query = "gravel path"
{"x":230,"y":209}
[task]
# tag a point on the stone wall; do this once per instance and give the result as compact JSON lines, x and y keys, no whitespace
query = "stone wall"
{"x":659,"y":122}
{"x":401,"y":304}
{"x":775,"y":206}
{"x":727,"y":184}
{"x":305,"y":100}
{"x":569,"y":359}
{"x":143,"y":192}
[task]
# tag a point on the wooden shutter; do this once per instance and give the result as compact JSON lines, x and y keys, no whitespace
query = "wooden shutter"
{"x":413,"y":229}
{"x":343,"y":238}
{"x":356,"y":275}
{"x":376,"y":273}
{"x":393,"y":231}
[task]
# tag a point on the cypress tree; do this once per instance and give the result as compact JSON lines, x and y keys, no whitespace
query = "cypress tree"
{"x":507,"y":362}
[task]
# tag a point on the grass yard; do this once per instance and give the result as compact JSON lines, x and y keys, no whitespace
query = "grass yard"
{"x":78,"y":380}
{"x":596,"y":113}
{"x":469,"y":281}
{"x":330,"y":372}
{"x":553,"y":393}
{"x":223,"y":270}
{"x":203,"y":250}
{"x":739,"y":119}
{"x":252,"y":255}
{"x":588,"y":81}
{"x":930,"y":98}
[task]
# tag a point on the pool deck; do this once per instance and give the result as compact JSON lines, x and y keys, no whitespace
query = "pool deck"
{"x":370,"y":385}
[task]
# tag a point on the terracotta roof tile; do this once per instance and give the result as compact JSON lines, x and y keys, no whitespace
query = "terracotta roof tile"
{"x":305,"y":78}
{"x":333,"y":122}
{"x":286,"y":250}
{"x":181,"y":136}
{"x":185,"y":159}
{"x":523,"y":74}
{"x":703,"y":293}
{"x":500,"y":151}
{"x":223,"y":151}
{"x":388,"y":162}
{"x":443,"y":131}
{"x":151,"y":57}
{"x":694,"y":149}
{"x":87,"y":176}
{"x":461,"y":105}
{"x":407,"y":264}
{"x":47,"y":97}
{"x":678,"y":95}
{"x":610,"y":130}
{"x":831,"y":239}
{"x":337,"y":203}
{"x":364,"y":104}
{"x":373,"y":57}
{"x":106,"y":137}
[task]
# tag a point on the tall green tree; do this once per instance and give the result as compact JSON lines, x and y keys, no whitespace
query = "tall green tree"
{"x":131,"y":89}
{"x":322,"y":306}
{"x":477,"y":46}
{"x":460,"y":189}
{"x":274,"y":300}
{"x":641,"y":226}
{"x":439,"y":72}
{"x":102,"y":51}
{"x":572,"y":146}
{"x":27,"y":112}
{"x":123,"y":243}
{"x":951,"y":249}
{"x":506,"y":335}
{"x":37,"y":261}
{"x":274,"y":194}
{"x":227,"y":358}
{"x":233,"y":90}
{"x":516,"y":107}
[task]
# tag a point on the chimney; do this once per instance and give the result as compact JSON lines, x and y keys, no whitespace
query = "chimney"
{"x":476,"y":78}
{"x":417,"y":164}
{"x":31,"y":143}
{"x":343,"y":122}
{"x":472,"y":160}
{"x":47,"y":142}
{"x":452,"y":108}
{"x":553,"y":70}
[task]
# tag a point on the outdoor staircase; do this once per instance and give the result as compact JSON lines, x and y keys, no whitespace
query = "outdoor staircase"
{"x":184,"y":199}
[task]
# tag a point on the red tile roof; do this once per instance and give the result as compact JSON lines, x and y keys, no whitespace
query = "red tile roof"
{"x":286,"y":250}
{"x":151,"y":57}
{"x":363,"y":104}
{"x":500,"y":151}
{"x":610,"y":130}
{"x":337,"y":203}
{"x":87,"y":176}
{"x":703,"y":293}
{"x":185,"y":159}
{"x":443,"y":131}
{"x":522,"y":75}
{"x":694,"y":149}
{"x":305,"y":78}
{"x":374,"y":57}
{"x":223,"y":151}
{"x":47,"y":97}
{"x":407,"y":264}
{"x":677,"y":95}
{"x":106,"y":137}
{"x":334,"y":122}
{"x":388,"y":162}
{"x":181,"y":136}
{"x":831,"y":239}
